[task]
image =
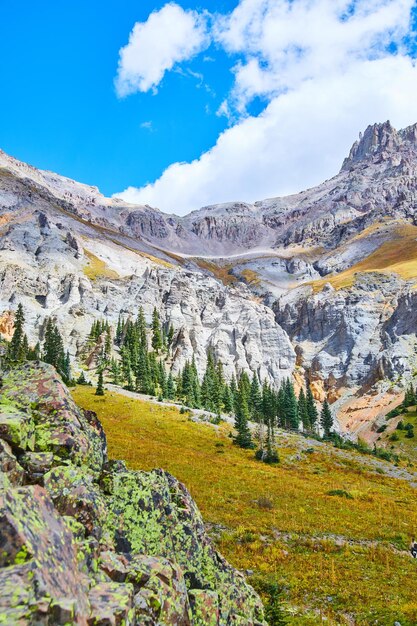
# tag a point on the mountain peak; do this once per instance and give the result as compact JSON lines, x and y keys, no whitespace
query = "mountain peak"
{"x":375,"y":139}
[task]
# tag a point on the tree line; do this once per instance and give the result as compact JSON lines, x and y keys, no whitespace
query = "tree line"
{"x":144,"y":366}
{"x":138,"y":357}
{"x":51,"y":350}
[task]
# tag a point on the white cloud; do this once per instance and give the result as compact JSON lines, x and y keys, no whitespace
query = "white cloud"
{"x":325,"y":70}
{"x":168,"y":36}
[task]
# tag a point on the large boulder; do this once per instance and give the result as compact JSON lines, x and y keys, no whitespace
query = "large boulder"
{"x":86,"y":541}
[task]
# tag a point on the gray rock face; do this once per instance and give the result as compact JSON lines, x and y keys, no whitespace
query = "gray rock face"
{"x":68,"y":252}
{"x":353,"y":337}
{"x":59,"y":267}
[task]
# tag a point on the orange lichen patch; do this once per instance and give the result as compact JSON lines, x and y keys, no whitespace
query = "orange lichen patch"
{"x":317,"y":389}
{"x":358,"y":415}
{"x":97,"y":268}
{"x":7,"y":325}
{"x":298,"y":380}
{"x":221,"y":272}
{"x":398,"y":255}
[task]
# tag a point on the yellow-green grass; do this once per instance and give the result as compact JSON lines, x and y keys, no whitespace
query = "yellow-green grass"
{"x":221,"y":272}
{"x":250,"y":277}
{"x":96,"y":268}
{"x":397,"y":255}
{"x":295,"y":540}
{"x":404,"y":445}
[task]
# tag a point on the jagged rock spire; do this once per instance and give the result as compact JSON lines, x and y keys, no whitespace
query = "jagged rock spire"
{"x":376,"y":138}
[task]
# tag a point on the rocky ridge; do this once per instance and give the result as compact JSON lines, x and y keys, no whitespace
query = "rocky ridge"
{"x":86,"y":541}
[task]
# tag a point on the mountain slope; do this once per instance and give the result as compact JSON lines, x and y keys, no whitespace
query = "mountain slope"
{"x":331,"y":526}
{"x":320,"y":283}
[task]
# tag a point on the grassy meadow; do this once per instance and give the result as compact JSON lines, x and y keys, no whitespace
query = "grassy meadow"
{"x":331,"y":529}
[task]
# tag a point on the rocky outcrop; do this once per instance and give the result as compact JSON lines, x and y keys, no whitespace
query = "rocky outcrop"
{"x":353,"y":337}
{"x":86,"y":541}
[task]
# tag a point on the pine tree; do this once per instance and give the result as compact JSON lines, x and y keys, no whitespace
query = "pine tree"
{"x":170,"y":393}
{"x":302,"y":410}
{"x":227,"y":399}
{"x":170,"y":335}
{"x":53,"y":350}
{"x":409,"y":399}
{"x":81,"y":380}
{"x":255,"y":399}
{"x":100,"y":384}
{"x":268,"y":404}
{"x":141,"y":327}
{"x":326,"y":418}
{"x":243,"y":438}
{"x":311,"y":409}
{"x":156,"y":331}
{"x":274,"y":612}
{"x":15,"y":349}
{"x":66,"y":370}
{"x":233,"y":391}
{"x":290,"y":406}
{"x":115,"y":372}
{"x":119,"y":331}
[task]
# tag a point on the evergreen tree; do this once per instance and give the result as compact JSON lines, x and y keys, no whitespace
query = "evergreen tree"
{"x":16,"y":346}
{"x":100,"y":384}
{"x":311,"y":409}
{"x":141,"y":327}
{"x":107,"y":345}
{"x":290,"y":406}
{"x":119,"y":331}
{"x":280,"y":406}
{"x":53,"y":350}
{"x":255,"y":399}
{"x":326,"y":418}
{"x":170,"y":335}
{"x":302,"y":410}
{"x":233,"y":391}
{"x":409,"y":399}
{"x":81,"y":380}
{"x":156,"y":331}
{"x":243,"y":438}
{"x":268,"y":404}
{"x":66,"y":371}
{"x":227,"y":399}
{"x":115,"y":372}
{"x":274,"y":612}
{"x":170,"y":393}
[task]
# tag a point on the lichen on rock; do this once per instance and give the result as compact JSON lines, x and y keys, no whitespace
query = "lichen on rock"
{"x":86,"y":541}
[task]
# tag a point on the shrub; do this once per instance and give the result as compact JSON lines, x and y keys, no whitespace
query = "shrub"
{"x":381,"y":428}
{"x":394,"y":437}
{"x":265,"y":503}
{"x":341,"y":493}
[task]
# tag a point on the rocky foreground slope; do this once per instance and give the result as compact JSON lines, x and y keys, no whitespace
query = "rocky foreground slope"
{"x":320,"y":284}
{"x":86,"y":541}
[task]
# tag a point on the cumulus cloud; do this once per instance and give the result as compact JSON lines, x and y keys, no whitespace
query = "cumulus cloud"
{"x":326,"y":68}
{"x":168,"y":37}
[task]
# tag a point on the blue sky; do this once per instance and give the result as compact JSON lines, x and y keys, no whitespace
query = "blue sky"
{"x":58,"y":106}
{"x":268,"y":101}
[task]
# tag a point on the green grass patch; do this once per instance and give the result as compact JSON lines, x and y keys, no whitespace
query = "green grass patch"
{"x":334,"y":557}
